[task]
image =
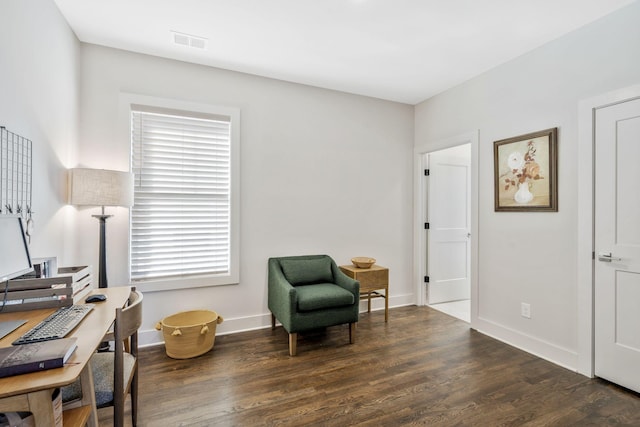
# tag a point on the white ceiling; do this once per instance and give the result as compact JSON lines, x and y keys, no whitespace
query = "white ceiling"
{"x":399,"y":50}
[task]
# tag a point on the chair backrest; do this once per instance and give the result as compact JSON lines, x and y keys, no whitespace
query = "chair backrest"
{"x":128,"y":321}
{"x":306,"y":269}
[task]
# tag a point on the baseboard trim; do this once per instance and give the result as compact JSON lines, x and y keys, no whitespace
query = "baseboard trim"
{"x":553,"y":353}
{"x":152,"y":337}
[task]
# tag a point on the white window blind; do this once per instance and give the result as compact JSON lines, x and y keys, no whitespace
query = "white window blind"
{"x":181,"y":218}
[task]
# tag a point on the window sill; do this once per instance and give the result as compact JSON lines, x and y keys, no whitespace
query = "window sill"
{"x":160,"y":285}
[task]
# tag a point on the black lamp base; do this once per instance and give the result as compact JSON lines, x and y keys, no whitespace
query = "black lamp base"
{"x":102,"y":265}
{"x":102,"y":260}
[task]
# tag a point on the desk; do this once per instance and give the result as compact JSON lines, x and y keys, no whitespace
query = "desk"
{"x":371,"y":280}
{"x":32,"y":392}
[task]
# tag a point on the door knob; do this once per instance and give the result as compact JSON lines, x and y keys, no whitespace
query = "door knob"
{"x":607,"y":257}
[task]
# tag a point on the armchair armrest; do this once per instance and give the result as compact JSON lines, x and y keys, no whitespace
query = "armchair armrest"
{"x":345,"y":281}
{"x":282,"y":298}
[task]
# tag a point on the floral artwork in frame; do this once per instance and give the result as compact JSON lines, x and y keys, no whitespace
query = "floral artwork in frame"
{"x":526,"y":172}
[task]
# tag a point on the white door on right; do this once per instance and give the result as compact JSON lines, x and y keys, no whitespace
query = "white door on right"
{"x":617,"y":244}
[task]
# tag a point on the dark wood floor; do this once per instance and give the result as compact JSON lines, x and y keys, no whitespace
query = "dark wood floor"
{"x":422,"y":368}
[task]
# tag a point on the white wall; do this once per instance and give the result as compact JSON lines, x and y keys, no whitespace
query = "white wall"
{"x":39,"y":75}
{"x":532,"y":257}
{"x":321,"y":172}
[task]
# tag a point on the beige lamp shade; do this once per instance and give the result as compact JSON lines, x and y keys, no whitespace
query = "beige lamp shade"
{"x":100,"y":187}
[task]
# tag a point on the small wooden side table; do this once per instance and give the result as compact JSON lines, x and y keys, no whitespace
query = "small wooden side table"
{"x":371,"y":280}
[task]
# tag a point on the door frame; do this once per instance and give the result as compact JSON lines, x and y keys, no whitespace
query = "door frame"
{"x":419,"y":208}
{"x":586,"y":220}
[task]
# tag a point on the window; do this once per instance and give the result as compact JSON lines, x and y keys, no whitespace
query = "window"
{"x":183,"y":222}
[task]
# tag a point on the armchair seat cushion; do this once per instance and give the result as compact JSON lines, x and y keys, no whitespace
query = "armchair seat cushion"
{"x":321,"y":296}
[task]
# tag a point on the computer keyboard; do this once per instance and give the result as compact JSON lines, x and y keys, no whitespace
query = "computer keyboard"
{"x":57,"y":325}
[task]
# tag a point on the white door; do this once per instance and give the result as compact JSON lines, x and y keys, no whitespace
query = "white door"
{"x":617,"y":244}
{"x":448,"y":216}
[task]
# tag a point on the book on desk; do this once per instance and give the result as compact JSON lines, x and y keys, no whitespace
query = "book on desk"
{"x":39,"y":356}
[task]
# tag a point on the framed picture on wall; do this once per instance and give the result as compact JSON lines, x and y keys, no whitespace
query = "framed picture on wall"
{"x":525,"y":172}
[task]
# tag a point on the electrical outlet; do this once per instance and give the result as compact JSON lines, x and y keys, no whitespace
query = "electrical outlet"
{"x":525,"y":310}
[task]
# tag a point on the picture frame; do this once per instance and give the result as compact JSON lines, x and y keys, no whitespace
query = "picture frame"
{"x":526,"y":172}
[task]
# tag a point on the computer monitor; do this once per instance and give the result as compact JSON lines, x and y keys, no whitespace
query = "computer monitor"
{"x":15,"y":259}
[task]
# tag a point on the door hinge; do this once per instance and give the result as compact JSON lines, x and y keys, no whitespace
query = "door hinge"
{"x":426,"y":225}
{"x":426,"y":279}
{"x":426,"y":172}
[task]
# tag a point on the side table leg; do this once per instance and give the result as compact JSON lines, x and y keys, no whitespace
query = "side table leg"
{"x":386,"y":304}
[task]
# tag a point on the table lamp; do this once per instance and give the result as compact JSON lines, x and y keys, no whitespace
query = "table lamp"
{"x":100,"y":187}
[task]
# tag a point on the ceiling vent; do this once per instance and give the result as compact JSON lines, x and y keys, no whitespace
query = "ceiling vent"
{"x":188,"y":40}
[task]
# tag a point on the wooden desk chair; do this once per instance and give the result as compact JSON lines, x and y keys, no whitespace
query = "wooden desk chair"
{"x":115,"y":374}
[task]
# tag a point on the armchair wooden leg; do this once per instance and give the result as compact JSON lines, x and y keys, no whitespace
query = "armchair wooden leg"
{"x":293,"y":343}
{"x":273,"y":322}
{"x":352,"y":332}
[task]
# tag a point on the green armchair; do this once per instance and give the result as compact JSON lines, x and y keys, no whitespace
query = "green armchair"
{"x":310,"y":292}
